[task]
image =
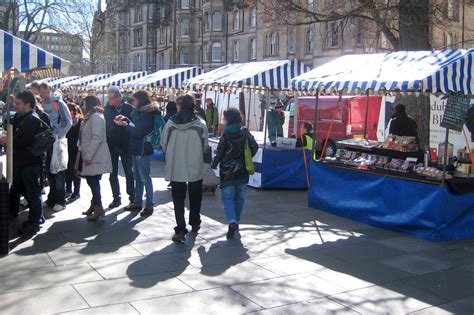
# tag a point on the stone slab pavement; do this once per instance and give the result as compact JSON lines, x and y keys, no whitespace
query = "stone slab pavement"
{"x":288,"y":259}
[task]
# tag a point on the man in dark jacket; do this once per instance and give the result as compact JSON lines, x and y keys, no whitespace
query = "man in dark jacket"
{"x":402,"y":124}
{"x":118,"y":139}
{"x":27,"y":167}
{"x":275,"y":121}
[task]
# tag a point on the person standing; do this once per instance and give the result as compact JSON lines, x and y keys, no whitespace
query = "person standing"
{"x":118,"y":140}
{"x":402,"y":124}
{"x":61,"y":122}
{"x":233,"y":172}
{"x":212,"y":117}
{"x":139,"y":129}
{"x":171,"y":110}
{"x":72,"y":147}
{"x":199,"y":111}
{"x":184,"y":140}
{"x":94,"y":153}
{"x":276,"y":120}
{"x":27,"y":167}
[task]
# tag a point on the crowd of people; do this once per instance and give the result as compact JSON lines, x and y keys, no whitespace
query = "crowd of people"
{"x":98,"y":137}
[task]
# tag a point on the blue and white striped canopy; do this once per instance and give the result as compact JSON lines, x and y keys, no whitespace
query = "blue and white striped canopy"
{"x":273,"y":75}
{"x":118,"y":79}
{"x":57,"y":83}
{"x":171,"y":78}
{"x":85,"y":81}
{"x":418,"y":71}
{"x":25,"y":57}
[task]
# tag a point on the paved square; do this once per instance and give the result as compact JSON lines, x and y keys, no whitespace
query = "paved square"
{"x":288,"y":259}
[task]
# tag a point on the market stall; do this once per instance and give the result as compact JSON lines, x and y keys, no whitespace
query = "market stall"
{"x":117,"y":79}
{"x":83,"y":82}
{"x":170,"y":79}
{"x":59,"y":81}
{"x":394,"y":184}
{"x":276,"y":168}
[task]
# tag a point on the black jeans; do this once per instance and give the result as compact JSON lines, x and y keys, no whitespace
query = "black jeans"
{"x":126,"y":159}
{"x":57,"y":188}
{"x":27,"y":181}
{"x":94,"y":184}
{"x":71,"y":177}
{"x":178,"y":191}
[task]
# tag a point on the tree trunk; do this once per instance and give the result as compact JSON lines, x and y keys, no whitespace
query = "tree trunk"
{"x":414,"y":28}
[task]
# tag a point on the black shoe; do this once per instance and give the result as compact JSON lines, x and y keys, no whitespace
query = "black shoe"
{"x":116,"y":203}
{"x":68,"y":194}
{"x":29,"y":229}
{"x":195,"y":228}
{"x":74,"y":197}
{"x":146,"y":212}
{"x":179,"y":237}
{"x":232,"y":228}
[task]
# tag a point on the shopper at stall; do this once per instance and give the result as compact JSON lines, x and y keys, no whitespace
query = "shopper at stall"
{"x":139,"y":128}
{"x":118,"y":140}
{"x":184,"y":140}
{"x":61,"y":122}
{"x":171,"y":110}
{"x":306,"y":139}
{"x":212,"y":117}
{"x":401,"y":124}
{"x":276,"y":120}
{"x":94,"y":159}
{"x":233,"y":172}
{"x":72,"y":146}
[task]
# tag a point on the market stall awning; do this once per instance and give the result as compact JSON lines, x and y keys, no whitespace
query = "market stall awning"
{"x":118,"y":79}
{"x":171,"y":78}
{"x":57,"y":83}
{"x":45,"y":80}
{"x":25,"y":57}
{"x":418,"y":71}
{"x":84,"y":81}
{"x":273,"y":75}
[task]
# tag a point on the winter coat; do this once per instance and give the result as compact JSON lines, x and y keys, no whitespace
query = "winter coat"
{"x":405,"y":126}
{"x":212,"y":116}
{"x":117,"y":137}
{"x":93,"y":146}
{"x":184,"y":139}
{"x":143,"y":124}
{"x":276,"y":121}
{"x":230,"y":155}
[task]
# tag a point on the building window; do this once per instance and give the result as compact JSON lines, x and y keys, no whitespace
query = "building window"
{"x":291,"y":41}
{"x":162,"y":35}
{"x":150,"y":35}
{"x":206,"y":22}
{"x":150,"y":62}
{"x":452,"y":9}
{"x":359,"y":39}
{"x":206,"y":52}
{"x":334,"y":35}
{"x":253,"y":17}
{"x":236,"y":48}
{"x":184,"y":4}
{"x":184,"y":55}
{"x":137,"y":62}
{"x":162,"y":60}
{"x":449,"y":40}
{"x":310,"y":41}
{"x":138,"y":14}
{"x":185,"y":27}
{"x":311,"y":5}
{"x":216,"y":51}
{"x":151,"y":12}
{"x":217,"y":21}
{"x":121,"y":41}
{"x":253,"y":49}
{"x":138,"y":37}
{"x":236,"y":16}
{"x":272,"y":42}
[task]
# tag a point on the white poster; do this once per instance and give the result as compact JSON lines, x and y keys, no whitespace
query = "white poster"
{"x":438,"y":133}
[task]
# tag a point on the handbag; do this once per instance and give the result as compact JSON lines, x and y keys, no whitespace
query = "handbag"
{"x":42,"y":142}
{"x":248,"y":158}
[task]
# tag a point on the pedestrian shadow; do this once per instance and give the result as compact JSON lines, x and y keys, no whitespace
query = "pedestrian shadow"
{"x":220,"y":251}
{"x":164,"y":264}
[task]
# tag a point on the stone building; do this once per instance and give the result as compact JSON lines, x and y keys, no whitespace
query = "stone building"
{"x":8,"y":15}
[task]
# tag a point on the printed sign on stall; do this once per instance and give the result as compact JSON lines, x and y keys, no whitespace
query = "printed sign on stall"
{"x":455,"y":112}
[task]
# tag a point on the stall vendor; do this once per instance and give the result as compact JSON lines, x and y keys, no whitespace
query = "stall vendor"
{"x":402,"y":124}
{"x":275,"y":121}
{"x":306,"y":140}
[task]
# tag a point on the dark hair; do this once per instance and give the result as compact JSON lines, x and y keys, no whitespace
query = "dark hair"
{"x":233,"y":116}
{"x":142,"y":97}
{"x":35,"y":85}
{"x":44,"y":85}
{"x":308,"y":126}
{"x":186,"y":102}
{"x":92,"y":104}
{"x":171,"y":107}
{"x":400,"y":109}
{"x":27,"y":97}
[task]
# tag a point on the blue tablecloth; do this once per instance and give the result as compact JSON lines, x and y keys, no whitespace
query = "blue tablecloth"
{"x":284,"y":169}
{"x":427,"y":211}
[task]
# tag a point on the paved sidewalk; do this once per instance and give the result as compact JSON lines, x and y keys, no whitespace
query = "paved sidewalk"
{"x":289,"y":259}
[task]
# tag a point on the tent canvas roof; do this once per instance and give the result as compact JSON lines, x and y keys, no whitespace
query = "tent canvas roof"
{"x":171,"y":78}
{"x":118,"y":79}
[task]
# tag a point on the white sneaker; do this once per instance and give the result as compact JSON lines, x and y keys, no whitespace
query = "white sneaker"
{"x":58,"y":207}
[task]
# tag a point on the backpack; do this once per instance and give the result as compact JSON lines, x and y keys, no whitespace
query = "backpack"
{"x":155,"y":136}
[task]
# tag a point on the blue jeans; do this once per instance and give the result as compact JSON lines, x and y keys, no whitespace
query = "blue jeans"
{"x":126,"y":159}
{"x":141,"y":172}
{"x":94,"y":184}
{"x":233,"y":198}
{"x":31,"y":180}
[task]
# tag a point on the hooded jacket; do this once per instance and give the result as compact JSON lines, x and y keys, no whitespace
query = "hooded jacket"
{"x":59,"y":115}
{"x":143,"y":124}
{"x":184,"y":139}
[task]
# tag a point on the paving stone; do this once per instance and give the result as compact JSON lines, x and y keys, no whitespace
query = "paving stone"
{"x":119,"y":309}
{"x":285,"y":290}
{"x":117,"y":291}
{"x":408,"y":244}
{"x":22,"y":280}
{"x":319,"y":306}
{"x":15,"y":261}
{"x":42,"y":301}
{"x":464,"y":306}
{"x":454,"y":254}
{"x":166,"y":246}
{"x":415,"y":263}
{"x":83,"y":254}
{"x":224,"y":275}
{"x":215,"y":301}
{"x":282,"y":217}
{"x":365,"y":251}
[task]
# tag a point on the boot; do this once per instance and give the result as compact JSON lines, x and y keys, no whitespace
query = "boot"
{"x":89,"y":211}
{"x":98,"y":213}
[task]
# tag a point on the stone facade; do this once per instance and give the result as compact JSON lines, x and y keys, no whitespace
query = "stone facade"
{"x":8,"y":15}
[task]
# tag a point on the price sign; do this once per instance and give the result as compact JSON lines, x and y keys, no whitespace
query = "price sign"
{"x":455,"y":114}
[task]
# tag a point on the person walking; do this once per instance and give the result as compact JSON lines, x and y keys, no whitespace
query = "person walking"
{"x":118,"y":140}
{"x":184,"y":140}
{"x":61,"y":122}
{"x":94,"y":156}
{"x":72,"y":147}
{"x":212,"y":117}
{"x":233,"y":172}
{"x":139,"y":129}
{"x":27,"y":166}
